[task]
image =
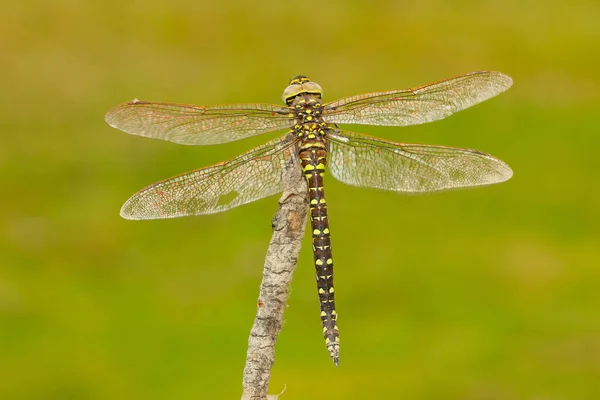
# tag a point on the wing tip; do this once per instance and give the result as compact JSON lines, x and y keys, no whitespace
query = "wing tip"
{"x":133,"y":210}
{"x":501,"y":173}
{"x":507,"y":173}
{"x":502,"y":80}
{"x":111,"y":114}
{"x":506,"y":81}
{"x":136,"y":208}
{"x":126,"y":212}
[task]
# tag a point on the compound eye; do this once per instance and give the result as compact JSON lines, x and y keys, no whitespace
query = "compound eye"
{"x":312,"y":87}
{"x":291,"y":91}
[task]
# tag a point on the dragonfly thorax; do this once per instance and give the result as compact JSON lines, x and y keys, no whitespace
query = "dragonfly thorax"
{"x":309,"y":131}
{"x":298,"y":85}
{"x":307,"y":111}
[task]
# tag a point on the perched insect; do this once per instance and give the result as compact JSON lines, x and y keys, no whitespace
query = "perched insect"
{"x":314,"y":141}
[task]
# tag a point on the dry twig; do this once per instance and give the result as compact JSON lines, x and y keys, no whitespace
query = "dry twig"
{"x":280,"y":263}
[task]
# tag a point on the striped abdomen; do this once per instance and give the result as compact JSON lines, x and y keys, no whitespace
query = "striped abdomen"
{"x":313,"y":157}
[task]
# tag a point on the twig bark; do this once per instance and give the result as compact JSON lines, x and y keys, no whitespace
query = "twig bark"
{"x":280,"y":263}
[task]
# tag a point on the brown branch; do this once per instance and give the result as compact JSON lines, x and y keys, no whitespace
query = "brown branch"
{"x":280,"y":263}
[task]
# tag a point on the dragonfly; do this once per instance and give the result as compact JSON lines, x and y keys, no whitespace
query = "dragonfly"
{"x":313,"y":141}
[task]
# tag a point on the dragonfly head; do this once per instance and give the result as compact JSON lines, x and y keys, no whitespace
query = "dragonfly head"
{"x":298,"y":85}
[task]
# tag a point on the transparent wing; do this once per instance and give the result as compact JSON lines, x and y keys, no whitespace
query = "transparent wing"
{"x":361,"y":160}
{"x":418,"y":105}
{"x":220,"y":187}
{"x":197,"y":125}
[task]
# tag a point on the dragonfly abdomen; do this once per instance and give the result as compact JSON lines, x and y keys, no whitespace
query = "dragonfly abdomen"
{"x":313,"y":158}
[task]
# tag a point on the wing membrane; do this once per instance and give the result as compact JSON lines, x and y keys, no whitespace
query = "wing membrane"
{"x":361,"y":160}
{"x":220,"y":187}
{"x":418,"y":105}
{"x":197,"y":125}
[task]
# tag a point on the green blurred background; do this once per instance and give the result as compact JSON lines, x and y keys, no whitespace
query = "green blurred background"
{"x":489,"y":293}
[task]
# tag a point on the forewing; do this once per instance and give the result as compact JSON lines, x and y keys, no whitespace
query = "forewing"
{"x":197,"y":125}
{"x":220,"y":187}
{"x":418,"y":105}
{"x":361,"y":160}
